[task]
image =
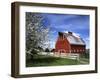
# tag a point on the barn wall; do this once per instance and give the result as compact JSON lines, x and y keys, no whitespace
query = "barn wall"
{"x":78,"y":48}
{"x":62,"y":45}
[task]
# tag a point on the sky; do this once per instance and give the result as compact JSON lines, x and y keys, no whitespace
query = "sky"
{"x":78,"y":24}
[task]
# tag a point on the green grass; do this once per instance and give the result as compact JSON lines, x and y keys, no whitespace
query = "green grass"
{"x":42,"y":60}
{"x":84,"y":61}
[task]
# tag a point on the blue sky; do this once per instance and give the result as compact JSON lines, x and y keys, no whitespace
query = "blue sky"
{"x":79,"y":24}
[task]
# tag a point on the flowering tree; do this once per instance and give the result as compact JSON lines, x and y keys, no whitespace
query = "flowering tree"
{"x":36,"y":32}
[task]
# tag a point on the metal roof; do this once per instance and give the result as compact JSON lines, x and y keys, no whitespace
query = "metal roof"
{"x":76,"y":40}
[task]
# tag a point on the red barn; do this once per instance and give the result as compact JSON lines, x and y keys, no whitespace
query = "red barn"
{"x":69,"y":43}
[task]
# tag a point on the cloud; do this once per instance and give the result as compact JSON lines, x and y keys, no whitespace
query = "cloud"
{"x":87,"y":41}
{"x":65,"y":26}
{"x":50,"y":44}
{"x":52,"y":32}
{"x":66,"y":21}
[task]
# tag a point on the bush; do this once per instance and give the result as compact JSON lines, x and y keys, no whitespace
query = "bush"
{"x":31,"y":55}
{"x":34,"y":51}
{"x":28,"y":56}
{"x":47,"y":50}
{"x":85,"y":55}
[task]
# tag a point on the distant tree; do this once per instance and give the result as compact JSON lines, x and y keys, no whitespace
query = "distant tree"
{"x":40,"y":48}
{"x":36,"y":33}
{"x":86,"y":54}
{"x":47,"y":50}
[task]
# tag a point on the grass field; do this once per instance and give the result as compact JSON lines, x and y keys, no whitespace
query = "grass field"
{"x":43,"y":60}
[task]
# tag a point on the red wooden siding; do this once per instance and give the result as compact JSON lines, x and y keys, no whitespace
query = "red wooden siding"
{"x":77,"y":48}
{"x":62,"y":45}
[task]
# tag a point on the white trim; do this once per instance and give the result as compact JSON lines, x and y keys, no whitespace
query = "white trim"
{"x":37,"y":70}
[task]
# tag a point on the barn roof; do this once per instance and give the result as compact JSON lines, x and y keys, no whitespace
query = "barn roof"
{"x":72,"y":39}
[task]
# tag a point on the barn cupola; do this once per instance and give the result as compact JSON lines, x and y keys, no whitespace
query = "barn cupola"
{"x":70,"y":33}
{"x":60,"y":34}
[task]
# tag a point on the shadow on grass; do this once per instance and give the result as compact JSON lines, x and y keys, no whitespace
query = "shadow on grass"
{"x":43,"y":60}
